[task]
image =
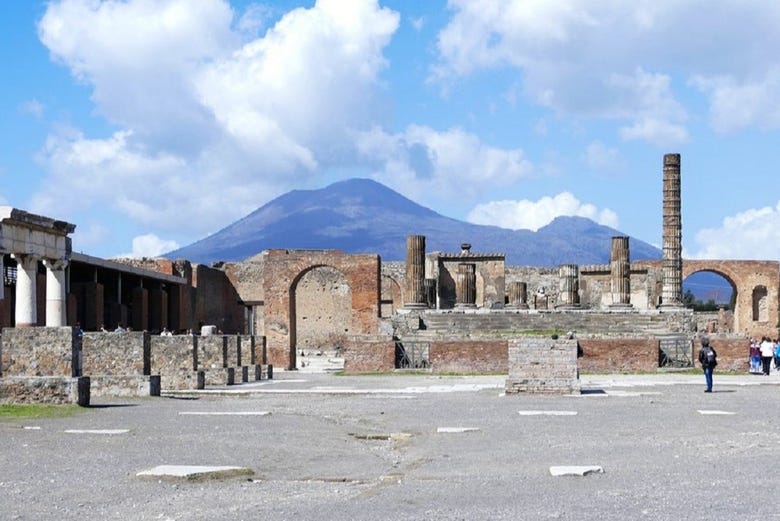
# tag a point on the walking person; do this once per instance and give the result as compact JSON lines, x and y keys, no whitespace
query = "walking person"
{"x":755,"y":356}
{"x":708,"y":359}
{"x":767,"y":348}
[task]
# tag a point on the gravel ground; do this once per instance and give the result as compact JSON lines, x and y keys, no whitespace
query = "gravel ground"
{"x":337,"y":447}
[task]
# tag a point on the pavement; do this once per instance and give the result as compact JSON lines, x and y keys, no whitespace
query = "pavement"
{"x":406,"y":447}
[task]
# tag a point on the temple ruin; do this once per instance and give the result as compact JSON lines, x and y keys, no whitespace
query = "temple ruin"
{"x":463,"y":311}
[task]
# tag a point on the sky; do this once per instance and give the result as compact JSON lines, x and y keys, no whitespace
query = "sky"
{"x":150,"y":124}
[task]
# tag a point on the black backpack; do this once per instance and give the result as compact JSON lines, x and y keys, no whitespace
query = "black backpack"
{"x":709,"y":356}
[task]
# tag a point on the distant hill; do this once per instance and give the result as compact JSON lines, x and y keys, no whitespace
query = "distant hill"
{"x":363,"y":216}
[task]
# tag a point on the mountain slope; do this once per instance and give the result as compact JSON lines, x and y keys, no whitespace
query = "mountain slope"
{"x":363,"y":216}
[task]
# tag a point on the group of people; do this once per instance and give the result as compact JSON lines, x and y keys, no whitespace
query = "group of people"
{"x":764,"y":353}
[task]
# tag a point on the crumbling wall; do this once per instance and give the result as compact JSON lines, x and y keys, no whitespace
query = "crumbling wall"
{"x":542,"y":364}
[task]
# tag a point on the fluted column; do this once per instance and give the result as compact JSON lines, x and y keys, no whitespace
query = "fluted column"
{"x":55,"y":292}
{"x":415,"y":272}
{"x":569,"y":294}
{"x":671,"y":294}
{"x":518,"y":295}
{"x":26,"y":290}
{"x":466,"y":286}
{"x":620,"y":272}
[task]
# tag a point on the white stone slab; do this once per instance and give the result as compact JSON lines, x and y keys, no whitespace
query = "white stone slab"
{"x":224,"y":413}
{"x":97,"y":431}
{"x":31,"y":428}
{"x":547,"y":413}
{"x":456,"y":430}
{"x":576,"y":470}
{"x":194,"y":472}
{"x":724,"y":413}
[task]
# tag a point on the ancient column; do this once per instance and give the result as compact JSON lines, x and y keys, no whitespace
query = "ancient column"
{"x":415,"y":272}
{"x":2,"y":277}
{"x":55,"y":292}
{"x":671,"y":293}
{"x":430,"y":292}
{"x":620,"y":272}
{"x":466,"y":286}
{"x":26,"y":290}
{"x":518,"y":295}
{"x":569,"y":294}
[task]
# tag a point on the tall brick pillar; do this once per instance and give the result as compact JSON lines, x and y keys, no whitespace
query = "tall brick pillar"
{"x":671,"y":293}
{"x":466,"y":286}
{"x":518,"y":295}
{"x":415,"y":272}
{"x":569,"y":295}
{"x":620,"y":272}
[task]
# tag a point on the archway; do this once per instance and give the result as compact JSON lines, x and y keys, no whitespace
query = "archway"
{"x":713,"y":295}
{"x":321,"y":307}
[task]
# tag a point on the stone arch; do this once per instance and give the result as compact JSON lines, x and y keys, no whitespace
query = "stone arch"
{"x":745,"y":276}
{"x":281,"y":273}
{"x":321,"y":306}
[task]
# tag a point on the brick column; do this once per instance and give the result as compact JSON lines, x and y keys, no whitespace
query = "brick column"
{"x":26,"y":290}
{"x":671,"y":295}
{"x":415,"y":272}
{"x":466,"y":286}
{"x":620,"y":272}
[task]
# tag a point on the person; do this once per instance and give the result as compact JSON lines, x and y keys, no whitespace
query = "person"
{"x":755,"y":356}
{"x":166,"y":332}
{"x":119,"y":329}
{"x":777,"y":355}
{"x":767,"y":349}
{"x":708,"y":359}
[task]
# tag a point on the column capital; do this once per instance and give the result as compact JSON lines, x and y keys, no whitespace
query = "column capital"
{"x":56,"y":264}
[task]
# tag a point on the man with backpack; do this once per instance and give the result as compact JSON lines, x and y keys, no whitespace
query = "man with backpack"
{"x":708,"y":359}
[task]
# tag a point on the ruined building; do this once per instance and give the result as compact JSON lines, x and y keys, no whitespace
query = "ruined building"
{"x":461,"y":311}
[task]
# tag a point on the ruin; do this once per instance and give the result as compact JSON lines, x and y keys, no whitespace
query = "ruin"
{"x":441,"y":312}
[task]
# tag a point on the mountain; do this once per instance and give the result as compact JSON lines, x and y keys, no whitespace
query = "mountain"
{"x":363,"y":216}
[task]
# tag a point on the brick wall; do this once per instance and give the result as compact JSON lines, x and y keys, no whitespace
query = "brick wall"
{"x":368,"y":354}
{"x":542,"y":365}
{"x":468,"y":356}
{"x":619,"y":355}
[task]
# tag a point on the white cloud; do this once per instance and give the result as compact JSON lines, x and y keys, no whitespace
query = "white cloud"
{"x":748,"y":235}
{"x":532,"y":215}
{"x":205,"y":111}
{"x":424,"y":163}
{"x":33,"y":107}
{"x":150,"y":245}
{"x":630,"y":61}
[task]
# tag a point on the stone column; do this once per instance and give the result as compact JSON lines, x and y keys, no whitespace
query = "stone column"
{"x":415,"y":272}
{"x":518,"y":295}
{"x":26,"y":290}
{"x":2,"y":276}
{"x":569,"y":294}
{"x":671,"y":293}
{"x":620,"y":272}
{"x":466,"y":286}
{"x":55,"y":292}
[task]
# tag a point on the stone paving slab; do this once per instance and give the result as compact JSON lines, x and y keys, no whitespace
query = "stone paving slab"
{"x":192,"y":472}
{"x":575,"y":470}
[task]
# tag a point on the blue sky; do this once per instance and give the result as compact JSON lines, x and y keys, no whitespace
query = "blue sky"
{"x":152,"y":123}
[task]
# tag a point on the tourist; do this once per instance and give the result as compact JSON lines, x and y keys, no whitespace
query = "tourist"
{"x":166,"y":332}
{"x":119,"y":329}
{"x":767,"y":348}
{"x":755,"y":356}
{"x":708,"y":359}
{"x":777,"y":355}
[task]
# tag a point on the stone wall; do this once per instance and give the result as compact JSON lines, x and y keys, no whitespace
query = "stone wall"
{"x":115,"y":354}
{"x":174,"y":358}
{"x":733,"y":352}
{"x":216,"y":301}
{"x":542,"y":365}
{"x":468,"y":356}
{"x":39,"y":351}
{"x":50,"y":390}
